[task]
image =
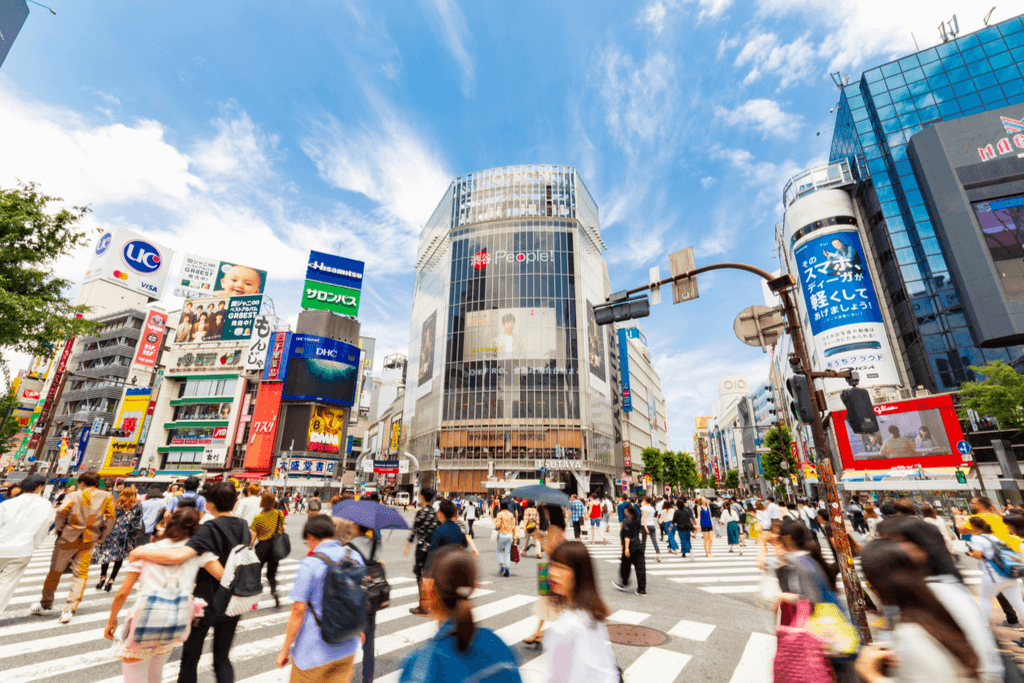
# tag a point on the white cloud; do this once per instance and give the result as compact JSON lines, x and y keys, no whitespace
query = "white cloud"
{"x":653,"y":16}
{"x":765,"y":116}
{"x":454,"y":33}
{"x":387,"y":161}
{"x":791,"y":63}
{"x":708,"y":182}
{"x":713,"y":9}
{"x":640,"y":101}
{"x":240,"y":152}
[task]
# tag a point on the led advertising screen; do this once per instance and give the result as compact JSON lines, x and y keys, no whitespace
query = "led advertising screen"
{"x":428,"y":341}
{"x":201,"y":276}
{"x":325,"y":427}
{"x":595,"y":344}
{"x":511,"y":334}
{"x":922,"y":431}
{"x":321,"y":369}
{"x":221,"y":319}
{"x":843,"y":310}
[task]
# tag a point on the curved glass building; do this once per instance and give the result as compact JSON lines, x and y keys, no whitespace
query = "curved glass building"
{"x":510,"y":378}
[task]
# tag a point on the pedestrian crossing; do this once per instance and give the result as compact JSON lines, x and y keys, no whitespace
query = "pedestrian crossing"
{"x":34,"y":649}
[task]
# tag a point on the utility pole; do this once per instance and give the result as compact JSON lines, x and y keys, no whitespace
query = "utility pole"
{"x":622,"y":307}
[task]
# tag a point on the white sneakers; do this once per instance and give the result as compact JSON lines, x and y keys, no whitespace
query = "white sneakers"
{"x":38,"y":609}
{"x":65,"y":616}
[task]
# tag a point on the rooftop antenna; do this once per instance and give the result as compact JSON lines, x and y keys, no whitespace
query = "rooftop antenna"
{"x":950,"y":29}
{"x":988,"y":16}
{"x":55,"y":14}
{"x":837,"y":78}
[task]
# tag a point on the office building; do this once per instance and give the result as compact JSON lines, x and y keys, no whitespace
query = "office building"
{"x":644,"y":423}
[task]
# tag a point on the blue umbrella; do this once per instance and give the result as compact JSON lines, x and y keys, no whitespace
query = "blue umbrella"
{"x":370,"y":514}
{"x":541,"y":494}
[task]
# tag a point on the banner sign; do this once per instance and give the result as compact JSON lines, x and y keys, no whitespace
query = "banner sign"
{"x":396,"y":429}
{"x":627,"y":395}
{"x":229,"y":319}
{"x":201,"y":276}
{"x":385,"y":466}
{"x":121,"y":450}
{"x":263,"y":432}
{"x":152,"y":335}
{"x":327,"y":297}
{"x":83,"y":442}
{"x":276,"y":365}
{"x":259,"y":342}
{"x":335,"y":270}
{"x":312,"y":467}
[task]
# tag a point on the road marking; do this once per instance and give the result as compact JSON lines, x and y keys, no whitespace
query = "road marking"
{"x":728,"y":589}
{"x":718,"y":579}
{"x":692,"y":630}
{"x":624,"y":616}
{"x":656,"y":666}
{"x":755,"y":665}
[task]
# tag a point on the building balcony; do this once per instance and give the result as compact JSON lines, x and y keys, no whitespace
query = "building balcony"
{"x":824,"y":177}
{"x":113,"y":392}
{"x":115,"y":350}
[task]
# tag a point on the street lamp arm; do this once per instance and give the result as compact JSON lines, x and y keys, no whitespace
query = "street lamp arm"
{"x":779,"y":282}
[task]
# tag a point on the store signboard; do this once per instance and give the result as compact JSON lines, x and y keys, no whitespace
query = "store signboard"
{"x":259,"y":342}
{"x":152,"y":336}
{"x":132,"y":261}
{"x":121,"y":450}
{"x":263,"y":432}
{"x":627,"y":395}
{"x":276,"y":366}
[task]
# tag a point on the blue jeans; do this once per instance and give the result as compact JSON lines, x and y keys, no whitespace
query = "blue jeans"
{"x":504,"y":549}
{"x":670,"y":531}
{"x":684,"y":541}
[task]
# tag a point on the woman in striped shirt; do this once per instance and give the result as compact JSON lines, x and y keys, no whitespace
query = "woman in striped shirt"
{"x":269,"y":522}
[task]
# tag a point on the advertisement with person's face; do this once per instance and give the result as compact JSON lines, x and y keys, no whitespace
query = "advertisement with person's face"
{"x":511,"y":334}
{"x":428,"y":338}
{"x":595,"y":344}
{"x":201,"y":276}
{"x":214,"y":320}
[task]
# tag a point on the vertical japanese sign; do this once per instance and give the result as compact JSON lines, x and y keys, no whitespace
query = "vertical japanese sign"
{"x":58,"y":377}
{"x":627,"y":396}
{"x":276,"y":366}
{"x":258,"y":343}
{"x":152,"y":336}
{"x":843,"y":310}
{"x":263,"y":432}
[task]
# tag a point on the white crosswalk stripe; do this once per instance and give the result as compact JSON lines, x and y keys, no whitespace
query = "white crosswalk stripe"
{"x":40,"y":649}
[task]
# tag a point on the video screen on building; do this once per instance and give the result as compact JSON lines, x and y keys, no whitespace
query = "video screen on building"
{"x":1002,"y":223}
{"x":916,"y":432}
{"x":511,"y":334}
{"x":321,"y":369}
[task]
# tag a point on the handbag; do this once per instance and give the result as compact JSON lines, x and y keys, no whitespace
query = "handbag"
{"x":799,"y":657}
{"x":139,"y":525}
{"x":515,"y":553}
{"x":282,"y":545}
{"x":838,"y":636}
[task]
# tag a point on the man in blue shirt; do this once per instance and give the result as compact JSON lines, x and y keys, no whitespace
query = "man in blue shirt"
{"x":577,"y":510}
{"x":313,"y":659}
{"x":447,"y":532}
{"x":152,"y":508}
{"x":191,"y":486}
{"x":620,"y":509}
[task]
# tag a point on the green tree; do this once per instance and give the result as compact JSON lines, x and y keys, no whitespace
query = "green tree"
{"x":683,"y":471}
{"x":732,"y":479}
{"x":34,"y":309}
{"x":1000,"y":394}
{"x":9,"y":427}
{"x":654,"y":464}
{"x":778,"y":440}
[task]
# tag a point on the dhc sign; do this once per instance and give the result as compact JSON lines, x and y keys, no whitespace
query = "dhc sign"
{"x":141,"y":256}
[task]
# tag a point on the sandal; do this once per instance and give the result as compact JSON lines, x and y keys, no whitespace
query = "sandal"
{"x":533,"y":640}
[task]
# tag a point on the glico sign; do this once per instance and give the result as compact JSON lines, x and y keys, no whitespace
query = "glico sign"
{"x":482,"y":259}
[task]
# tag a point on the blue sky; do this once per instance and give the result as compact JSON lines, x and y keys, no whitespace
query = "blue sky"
{"x":257,"y":131}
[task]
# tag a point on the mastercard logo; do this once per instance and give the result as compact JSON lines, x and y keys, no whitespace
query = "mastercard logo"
{"x":121,"y":276}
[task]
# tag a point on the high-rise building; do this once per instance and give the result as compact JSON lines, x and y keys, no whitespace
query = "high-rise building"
{"x":510,"y":377}
{"x":939,"y":332}
{"x":644,"y":424}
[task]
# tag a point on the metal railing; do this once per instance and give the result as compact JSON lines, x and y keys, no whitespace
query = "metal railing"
{"x":824,"y":177}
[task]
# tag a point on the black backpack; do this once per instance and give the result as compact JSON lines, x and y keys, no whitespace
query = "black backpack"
{"x":344,"y":600}
{"x":375,"y":583}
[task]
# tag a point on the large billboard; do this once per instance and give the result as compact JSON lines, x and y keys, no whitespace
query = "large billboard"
{"x":259,"y":454}
{"x":843,"y":310}
{"x":121,"y":451}
{"x":321,"y":369}
{"x":922,"y":431}
{"x":130,"y":260}
{"x":201,"y":276}
{"x":627,"y":394}
{"x":333,"y":284}
{"x":325,"y":427}
{"x":218,"y":319}
{"x":152,"y":336}
{"x":511,"y":334}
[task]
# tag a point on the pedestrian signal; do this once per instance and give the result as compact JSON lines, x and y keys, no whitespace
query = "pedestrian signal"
{"x":961,"y":477}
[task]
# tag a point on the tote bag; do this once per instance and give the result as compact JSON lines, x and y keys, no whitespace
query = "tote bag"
{"x":799,"y":656}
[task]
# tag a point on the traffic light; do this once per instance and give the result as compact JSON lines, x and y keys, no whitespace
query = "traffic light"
{"x":860,"y":413}
{"x":801,"y":405}
{"x":961,"y":477}
{"x":620,"y":309}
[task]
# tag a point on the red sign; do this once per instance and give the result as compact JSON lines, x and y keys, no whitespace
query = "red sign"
{"x":922,"y":431}
{"x":152,"y":336}
{"x":30,"y":395}
{"x":481,"y":259}
{"x":58,"y":377}
{"x":263,"y":432}
{"x":274,"y":371}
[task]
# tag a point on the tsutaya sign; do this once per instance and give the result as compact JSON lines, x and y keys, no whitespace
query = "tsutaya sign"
{"x":559,"y":464}
{"x":1012,"y":127}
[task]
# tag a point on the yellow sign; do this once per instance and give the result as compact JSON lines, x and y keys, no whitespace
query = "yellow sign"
{"x":325,"y":427}
{"x":702,"y":422}
{"x":121,"y":451}
{"x":396,"y":428}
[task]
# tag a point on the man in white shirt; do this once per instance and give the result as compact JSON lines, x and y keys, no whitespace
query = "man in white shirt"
{"x":773,"y":510}
{"x":248,"y":507}
{"x":24,"y":522}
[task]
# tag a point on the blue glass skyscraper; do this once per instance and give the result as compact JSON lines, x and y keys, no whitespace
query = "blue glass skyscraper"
{"x":877,"y":117}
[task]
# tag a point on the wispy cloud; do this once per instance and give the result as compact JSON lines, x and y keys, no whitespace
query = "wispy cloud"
{"x":450,"y":23}
{"x":708,"y":182}
{"x":240,"y":152}
{"x":763,"y":115}
{"x":767,"y":55}
{"x":640,"y":101}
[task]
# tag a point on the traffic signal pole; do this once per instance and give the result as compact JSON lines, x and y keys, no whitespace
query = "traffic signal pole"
{"x":784,"y":286}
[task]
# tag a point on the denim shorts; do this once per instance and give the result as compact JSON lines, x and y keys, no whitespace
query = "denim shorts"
{"x":595,"y":521}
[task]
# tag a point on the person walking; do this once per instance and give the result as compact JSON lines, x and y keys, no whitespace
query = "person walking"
{"x":929,"y":515}
{"x":578,"y":511}
{"x":312,"y":658}
{"x":716,"y":514}
{"x":447,"y":532}
{"x":264,"y":527}
{"x":594,"y":514}
{"x":314,"y":505}
{"x":856,"y":515}
{"x":469,"y":515}
{"x":24,"y":523}
{"x":741,"y":517}
{"x":191,"y":486}
{"x":983,"y":546}
{"x":152,"y":512}
{"x":545,"y":609}
{"x":144,"y":664}
{"x":632,"y":553}
{"x":460,"y":650}
{"x":577,"y":642}
{"x":422,"y":533}
{"x":86,"y":519}
{"x":706,"y":527}
{"x":753,"y":524}
{"x":665,"y":520}
{"x":983,"y":508}
{"x":731,"y":522}
{"x":606,"y":512}
{"x":531,"y":529}
{"x":649,"y":519}
{"x":682,"y":520}
{"x":218,"y":537}
{"x":249,"y":506}
{"x":122,"y":539}
{"x":505,"y":525}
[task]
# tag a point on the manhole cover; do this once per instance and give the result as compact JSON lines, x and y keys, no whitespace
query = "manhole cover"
{"x":638,"y":636}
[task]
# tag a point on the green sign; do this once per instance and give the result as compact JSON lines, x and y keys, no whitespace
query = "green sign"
{"x":328,"y":297}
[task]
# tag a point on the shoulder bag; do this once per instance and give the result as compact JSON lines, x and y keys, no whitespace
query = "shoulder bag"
{"x":799,"y":655}
{"x":282,"y":545}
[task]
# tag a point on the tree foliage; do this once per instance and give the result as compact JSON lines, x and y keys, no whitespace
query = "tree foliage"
{"x":1000,"y":394}
{"x":673,"y":468}
{"x":732,"y":479}
{"x":654,"y":464}
{"x":778,"y":440}
{"x":35,"y":312}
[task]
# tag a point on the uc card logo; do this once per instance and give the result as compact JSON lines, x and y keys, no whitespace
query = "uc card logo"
{"x":104,"y":243}
{"x":141,"y":256}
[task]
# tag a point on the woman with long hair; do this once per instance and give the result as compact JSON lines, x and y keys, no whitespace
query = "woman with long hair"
{"x":805,"y":575}
{"x":928,"y":644}
{"x":460,"y":650}
{"x":731,"y":521}
{"x":753,"y":526}
{"x":267,"y":523}
{"x":682,"y":521}
{"x":929,"y":515}
{"x":577,"y":641}
{"x":505,"y":525}
{"x":145,"y":665}
{"x":545,"y":608}
{"x":122,"y":540}
{"x":632,"y":552}
{"x":665,"y":519}
{"x":707,"y":527}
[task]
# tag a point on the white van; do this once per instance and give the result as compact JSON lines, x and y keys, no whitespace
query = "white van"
{"x":401,"y":498}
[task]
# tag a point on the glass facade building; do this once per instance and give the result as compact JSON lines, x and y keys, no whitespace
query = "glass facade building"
{"x":508,"y":369}
{"x":877,"y":117}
